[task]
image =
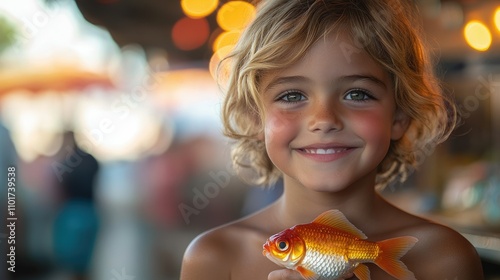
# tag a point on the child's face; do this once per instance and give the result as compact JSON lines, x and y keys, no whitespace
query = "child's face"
{"x":329,"y":118}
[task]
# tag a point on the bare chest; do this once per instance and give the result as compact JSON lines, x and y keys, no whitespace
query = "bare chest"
{"x":250,"y":263}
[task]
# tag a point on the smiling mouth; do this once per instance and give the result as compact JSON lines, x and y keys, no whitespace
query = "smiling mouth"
{"x":324,"y":151}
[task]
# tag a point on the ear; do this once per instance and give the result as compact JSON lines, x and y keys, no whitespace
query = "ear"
{"x":399,"y":125}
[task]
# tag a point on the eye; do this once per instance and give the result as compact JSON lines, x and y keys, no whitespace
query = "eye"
{"x":282,"y":245}
{"x":291,"y":96}
{"x":358,"y":95}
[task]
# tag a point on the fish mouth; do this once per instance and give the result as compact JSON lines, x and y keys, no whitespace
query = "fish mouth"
{"x":265,"y":249}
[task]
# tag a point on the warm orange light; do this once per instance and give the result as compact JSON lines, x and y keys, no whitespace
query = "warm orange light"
{"x":477,"y":35}
{"x":198,"y":8}
{"x":220,"y":72}
{"x":228,"y":38}
{"x":235,"y":15}
{"x":496,"y":18}
{"x":189,"y":34}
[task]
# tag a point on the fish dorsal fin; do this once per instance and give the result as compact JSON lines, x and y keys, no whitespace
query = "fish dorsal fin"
{"x":335,"y":218}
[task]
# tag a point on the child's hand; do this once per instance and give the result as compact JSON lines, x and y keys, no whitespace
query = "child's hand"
{"x":284,"y":274}
{"x":288,"y":274}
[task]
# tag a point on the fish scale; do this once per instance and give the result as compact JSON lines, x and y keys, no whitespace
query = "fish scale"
{"x":330,"y":247}
{"x":333,"y":253}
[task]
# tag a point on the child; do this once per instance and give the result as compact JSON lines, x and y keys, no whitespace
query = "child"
{"x":337,"y":97}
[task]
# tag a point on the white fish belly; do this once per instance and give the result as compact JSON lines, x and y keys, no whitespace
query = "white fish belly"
{"x":327,"y":266}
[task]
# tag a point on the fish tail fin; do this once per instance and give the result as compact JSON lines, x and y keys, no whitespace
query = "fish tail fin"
{"x":391,"y":251}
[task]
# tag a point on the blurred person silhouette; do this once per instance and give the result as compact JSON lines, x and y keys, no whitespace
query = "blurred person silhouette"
{"x":77,"y":222}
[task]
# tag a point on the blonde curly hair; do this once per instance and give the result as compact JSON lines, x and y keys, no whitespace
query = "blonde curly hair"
{"x":281,"y":34}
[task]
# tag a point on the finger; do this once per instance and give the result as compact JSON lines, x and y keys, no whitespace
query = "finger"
{"x":284,"y":274}
{"x":287,"y":274}
{"x":347,"y":276}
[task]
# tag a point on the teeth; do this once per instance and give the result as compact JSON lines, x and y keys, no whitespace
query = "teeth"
{"x":324,"y":151}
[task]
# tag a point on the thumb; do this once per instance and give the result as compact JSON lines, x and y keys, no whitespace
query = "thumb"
{"x":288,"y":274}
{"x":284,"y":274}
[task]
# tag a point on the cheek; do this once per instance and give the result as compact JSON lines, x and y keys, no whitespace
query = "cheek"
{"x":279,"y":125}
{"x":374,"y":127}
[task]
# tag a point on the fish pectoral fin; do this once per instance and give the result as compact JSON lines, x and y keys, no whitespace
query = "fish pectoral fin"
{"x":362,"y":272}
{"x":307,"y":274}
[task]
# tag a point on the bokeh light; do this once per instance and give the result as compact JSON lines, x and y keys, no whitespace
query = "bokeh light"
{"x":477,"y":35}
{"x":32,"y":117}
{"x":496,"y":18}
{"x":198,"y":8}
{"x":228,"y":38}
{"x":220,"y":72}
{"x":235,"y":15}
{"x":232,"y":17}
{"x":189,"y":34}
{"x":109,"y":136}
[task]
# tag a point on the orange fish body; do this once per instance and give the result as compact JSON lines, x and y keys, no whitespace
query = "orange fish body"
{"x":331,"y":246}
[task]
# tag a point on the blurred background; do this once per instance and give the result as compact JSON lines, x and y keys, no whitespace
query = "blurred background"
{"x":109,"y":116}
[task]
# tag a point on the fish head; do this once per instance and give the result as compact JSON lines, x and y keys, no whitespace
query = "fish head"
{"x":285,"y":248}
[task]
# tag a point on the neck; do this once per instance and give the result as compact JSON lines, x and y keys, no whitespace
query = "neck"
{"x":300,"y":205}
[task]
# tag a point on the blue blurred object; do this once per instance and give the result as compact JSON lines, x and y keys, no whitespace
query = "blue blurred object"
{"x":77,"y":222}
{"x":491,"y":209}
{"x":75,"y":232}
{"x":258,"y":198}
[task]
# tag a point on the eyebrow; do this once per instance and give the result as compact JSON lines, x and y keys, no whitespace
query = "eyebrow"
{"x":286,"y":80}
{"x":368,"y":77}
{"x":348,"y":78}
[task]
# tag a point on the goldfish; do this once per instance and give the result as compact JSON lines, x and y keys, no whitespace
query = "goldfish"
{"x":330,"y":247}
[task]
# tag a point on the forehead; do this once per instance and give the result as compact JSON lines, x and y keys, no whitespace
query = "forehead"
{"x":333,"y":55}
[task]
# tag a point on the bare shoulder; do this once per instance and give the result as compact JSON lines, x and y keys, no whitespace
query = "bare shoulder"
{"x":442,"y":253}
{"x":207,"y":256}
{"x":218,"y":253}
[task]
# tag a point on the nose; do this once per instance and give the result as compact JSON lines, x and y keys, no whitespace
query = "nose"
{"x":324,"y":118}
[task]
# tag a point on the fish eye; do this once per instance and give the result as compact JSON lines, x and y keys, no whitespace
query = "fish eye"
{"x":282,"y":245}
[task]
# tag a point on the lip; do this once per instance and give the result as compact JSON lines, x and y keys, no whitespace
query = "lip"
{"x":325,"y":152}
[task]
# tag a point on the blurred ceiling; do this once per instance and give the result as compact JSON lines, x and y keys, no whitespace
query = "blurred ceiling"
{"x":149,"y":24}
